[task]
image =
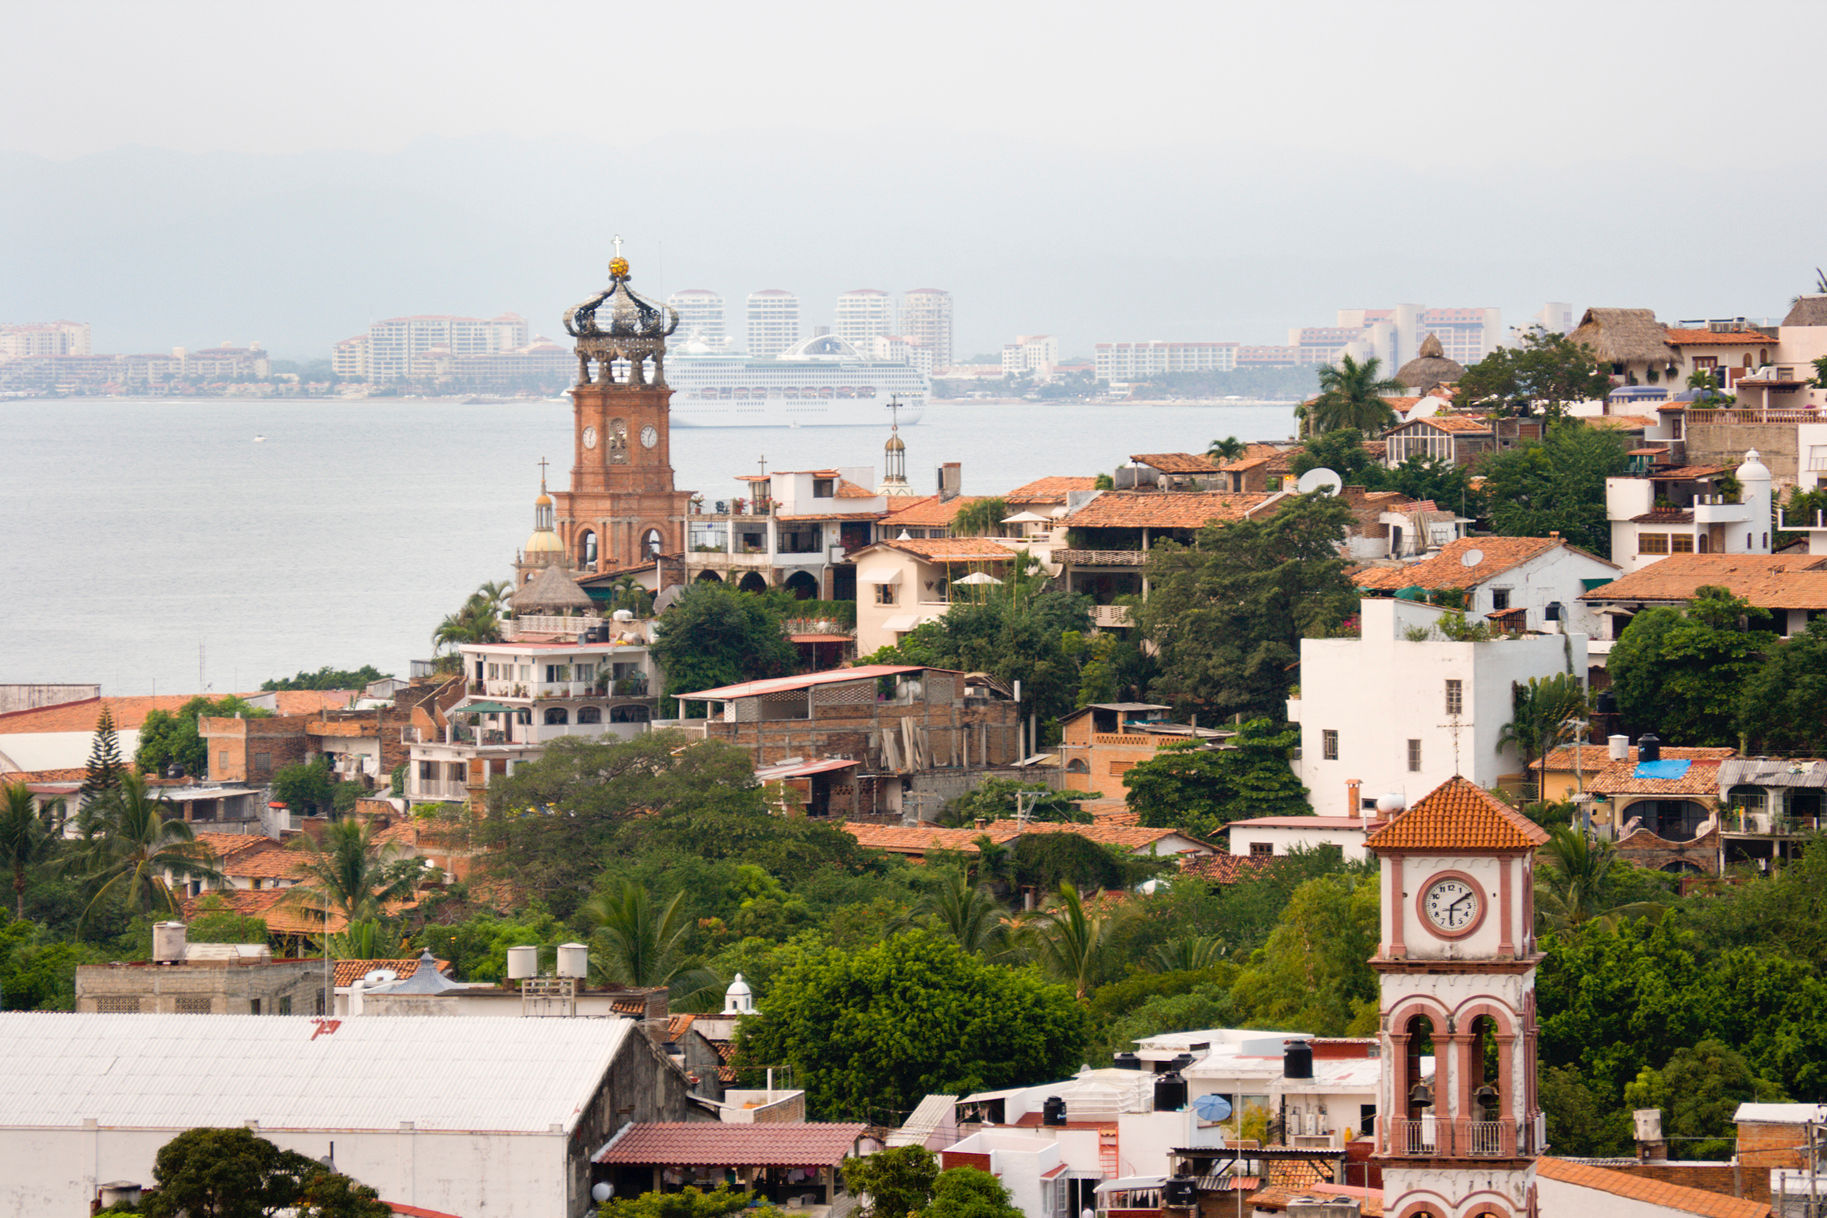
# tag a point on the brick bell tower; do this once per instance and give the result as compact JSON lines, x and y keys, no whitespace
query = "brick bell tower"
{"x":622,"y":509}
{"x":1456,"y":969}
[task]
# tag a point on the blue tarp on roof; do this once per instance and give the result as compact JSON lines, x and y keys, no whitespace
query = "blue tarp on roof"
{"x":1662,"y":769}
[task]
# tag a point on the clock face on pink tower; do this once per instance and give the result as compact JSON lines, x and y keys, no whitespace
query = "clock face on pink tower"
{"x":1452,"y":905}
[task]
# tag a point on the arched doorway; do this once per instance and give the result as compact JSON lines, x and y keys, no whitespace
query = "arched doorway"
{"x":803,"y":585}
{"x":752,"y":581}
{"x":709,"y":577}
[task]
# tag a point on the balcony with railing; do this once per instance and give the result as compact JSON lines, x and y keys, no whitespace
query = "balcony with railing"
{"x":1110,"y":617}
{"x":1429,"y":1137}
{"x":1101,"y":558}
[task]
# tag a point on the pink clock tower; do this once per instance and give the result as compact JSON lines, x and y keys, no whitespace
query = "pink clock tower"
{"x":1456,"y":967}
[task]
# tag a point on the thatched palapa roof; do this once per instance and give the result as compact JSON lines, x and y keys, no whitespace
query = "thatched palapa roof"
{"x":1625,"y":336}
{"x":1807,"y":311}
{"x":552,"y":591}
{"x":1430,"y":367}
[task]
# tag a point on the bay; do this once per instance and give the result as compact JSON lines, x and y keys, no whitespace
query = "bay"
{"x":154,"y":545}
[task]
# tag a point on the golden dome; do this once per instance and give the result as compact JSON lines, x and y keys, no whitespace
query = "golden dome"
{"x":544,"y":500}
{"x":544,"y":541}
{"x":895,"y":444}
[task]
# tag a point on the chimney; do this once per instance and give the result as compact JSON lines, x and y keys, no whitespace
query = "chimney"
{"x":1651,"y":1146}
{"x":951,"y":480}
{"x":1353,"y":796}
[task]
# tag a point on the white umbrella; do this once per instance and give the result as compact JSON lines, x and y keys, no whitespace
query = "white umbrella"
{"x":979,"y":577}
{"x":1027,"y":518}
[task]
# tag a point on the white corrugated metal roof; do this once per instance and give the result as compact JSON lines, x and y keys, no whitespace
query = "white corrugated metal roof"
{"x":292,"y":1072}
{"x":1780,"y":1114}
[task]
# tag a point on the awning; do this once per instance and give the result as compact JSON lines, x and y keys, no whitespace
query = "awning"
{"x":881,"y":578}
{"x":1132,"y":1184}
{"x":800,"y":769}
{"x":901,"y":623}
{"x":1036,"y":759}
{"x":482,"y":708}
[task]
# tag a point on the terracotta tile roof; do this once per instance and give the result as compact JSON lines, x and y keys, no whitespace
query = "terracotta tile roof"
{"x":343,"y":729}
{"x":1595,"y":757}
{"x":1254,"y":455}
{"x":1738,"y":338}
{"x":1176,"y":463}
{"x":128,"y":713}
{"x":714,"y":1144}
{"x":1649,"y":1191}
{"x":226,"y":846}
{"x":283,"y":913}
{"x":1169,"y":510}
{"x":1226,"y":868}
{"x":1459,"y":423}
{"x":347,"y":972}
{"x":1132,"y":837}
{"x":847,"y":489}
{"x":952,"y":549}
{"x":1458,"y":815}
{"x":1049,"y":490}
{"x":1664,"y":516}
{"x":1769,"y":581}
{"x":1621,"y":422}
{"x":837,"y":516}
{"x":927,"y":511}
{"x":311,"y":701}
{"x":1686,"y":473}
{"x":276,"y":863}
{"x":29,"y":777}
{"x":913,"y":839}
{"x":1447,"y":569}
{"x":1620,"y":778}
{"x":1275,"y":1199}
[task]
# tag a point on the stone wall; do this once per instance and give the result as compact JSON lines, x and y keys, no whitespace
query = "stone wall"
{"x":1726,"y":444}
{"x":280,"y":987}
{"x":250,"y":750}
{"x":1726,"y":1179}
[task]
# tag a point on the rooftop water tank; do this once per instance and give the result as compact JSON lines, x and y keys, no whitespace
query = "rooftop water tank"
{"x":1170,"y":1093}
{"x":1618,"y":747}
{"x":1296,"y":1059}
{"x":1649,"y":747}
{"x":1053,"y":1111}
{"x":1127,"y":1061}
{"x":522,"y":963}
{"x":169,"y":942}
{"x":573,"y":960}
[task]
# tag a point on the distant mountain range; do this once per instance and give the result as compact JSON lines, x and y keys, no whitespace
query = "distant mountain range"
{"x":160,"y":249}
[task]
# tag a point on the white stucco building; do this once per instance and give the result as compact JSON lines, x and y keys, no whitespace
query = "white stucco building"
{"x":1403,"y":709}
{"x":488,"y":1118}
{"x":1678,"y":510}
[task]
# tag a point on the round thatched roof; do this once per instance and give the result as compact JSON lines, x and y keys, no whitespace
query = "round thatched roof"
{"x":1807,"y":311}
{"x":552,"y":591}
{"x":1430,"y":367}
{"x":1623,"y":336}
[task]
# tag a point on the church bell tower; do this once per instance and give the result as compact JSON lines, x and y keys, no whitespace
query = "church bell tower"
{"x":1459,"y":1122}
{"x":622,"y":510}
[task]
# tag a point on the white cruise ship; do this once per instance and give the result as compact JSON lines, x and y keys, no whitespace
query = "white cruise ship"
{"x":821,"y":382}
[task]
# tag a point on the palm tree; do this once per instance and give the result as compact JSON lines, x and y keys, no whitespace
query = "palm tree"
{"x":25,"y":838}
{"x":129,"y":846}
{"x":643,"y":943}
{"x":980,"y":518}
{"x":353,"y":875}
{"x":498,"y":593}
{"x":1539,"y":713}
{"x":479,"y":621}
{"x":1351,"y":395}
{"x":1188,"y":954}
{"x":1575,"y":885}
{"x":1068,"y":940}
{"x":968,"y":912}
{"x":1228,"y":449}
{"x":627,"y":593}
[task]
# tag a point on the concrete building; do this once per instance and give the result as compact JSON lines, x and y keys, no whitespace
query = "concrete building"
{"x":1402,"y":709}
{"x":1099,"y":743}
{"x":1513,"y":583}
{"x":1123,"y":362}
{"x":488,"y":1118}
{"x":23,"y":340}
{"x":700,"y":316}
{"x":900,"y":349}
{"x":926,"y":317}
{"x":788,"y":528}
{"x":202,"y":979}
{"x":773,"y":322}
{"x":864,"y":315}
{"x":1034,"y":355}
{"x":407,"y":348}
{"x":1680,"y":510}
{"x":907,"y":581}
{"x":1269,"y":836}
{"x":873,"y":730}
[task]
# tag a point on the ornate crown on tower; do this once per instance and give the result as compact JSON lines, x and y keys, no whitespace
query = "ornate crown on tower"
{"x":618,"y":312}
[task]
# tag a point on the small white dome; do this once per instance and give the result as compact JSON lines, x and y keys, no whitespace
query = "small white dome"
{"x":1753,"y":469}
{"x":738,"y":999}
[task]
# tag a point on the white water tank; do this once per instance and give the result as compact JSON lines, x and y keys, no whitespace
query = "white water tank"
{"x":573,"y":960}
{"x":1620,"y":747}
{"x":523,"y":963}
{"x":170,"y":941}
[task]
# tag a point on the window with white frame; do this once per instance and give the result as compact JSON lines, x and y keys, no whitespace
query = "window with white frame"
{"x":1455,"y":696}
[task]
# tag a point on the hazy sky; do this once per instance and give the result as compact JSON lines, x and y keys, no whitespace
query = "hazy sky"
{"x":1096,"y":170}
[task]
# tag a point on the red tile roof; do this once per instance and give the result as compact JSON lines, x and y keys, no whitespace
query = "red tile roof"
{"x":227,"y":846}
{"x":1649,"y":1191}
{"x":714,"y":1144}
{"x":1165,"y":510}
{"x":952,"y":549}
{"x":282,"y":911}
{"x":1459,"y":423}
{"x":1458,"y":815}
{"x":1737,"y":338}
{"x":276,"y":863}
{"x":347,"y":972}
{"x":1049,"y":490}
{"x":128,"y":713}
{"x":1176,"y":463}
{"x":1770,"y":581}
{"x":1131,"y":837}
{"x":913,"y":839}
{"x":1592,"y":758}
{"x":1621,"y":422}
{"x":1226,"y":868}
{"x":776,"y":685}
{"x":929,"y":511}
{"x":1447,"y":569}
{"x":847,"y":489}
{"x":1620,"y":778}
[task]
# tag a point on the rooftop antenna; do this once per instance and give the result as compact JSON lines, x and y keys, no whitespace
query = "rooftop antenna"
{"x":1454,"y":725}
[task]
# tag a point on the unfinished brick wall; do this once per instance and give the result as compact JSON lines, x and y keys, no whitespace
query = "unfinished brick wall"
{"x":250,"y":750}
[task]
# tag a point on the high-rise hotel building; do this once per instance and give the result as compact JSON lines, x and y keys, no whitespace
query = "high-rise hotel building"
{"x":864,"y":315}
{"x":700,"y":315}
{"x":773,"y":322}
{"x":399,"y":347}
{"x":926,"y":317}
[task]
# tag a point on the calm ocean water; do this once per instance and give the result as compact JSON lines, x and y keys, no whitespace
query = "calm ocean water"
{"x":155,"y":546}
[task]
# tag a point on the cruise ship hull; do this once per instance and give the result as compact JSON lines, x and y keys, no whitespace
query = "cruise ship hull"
{"x":735,"y":391}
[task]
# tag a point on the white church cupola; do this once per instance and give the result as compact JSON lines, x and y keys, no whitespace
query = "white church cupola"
{"x":739,"y":999}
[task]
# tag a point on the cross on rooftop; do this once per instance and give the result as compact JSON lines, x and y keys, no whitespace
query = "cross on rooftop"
{"x":542,"y":473}
{"x":894,"y":417}
{"x":1454,"y":726}
{"x":618,"y":245}
{"x":764,"y":463}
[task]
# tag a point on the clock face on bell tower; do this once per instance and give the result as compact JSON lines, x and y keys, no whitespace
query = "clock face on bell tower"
{"x":622,"y":509}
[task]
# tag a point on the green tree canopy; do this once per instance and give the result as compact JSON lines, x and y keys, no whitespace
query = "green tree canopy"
{"x":1682,"y":673}
{"x":233,"y":1173}
{"x":872,"y":1032}
{"x":1340,"y":450}
{"x":980,"y":517}
{"x":1199,"y":789}
{"x":1314,"y":972}
{"x":478,"y":620}
{"x":1779,"y":710}
{"x":965,"y":1192}
{"x":353,"y":874}
{"x":1229,"y":611}
{"x":103,"y":771}
{"x":714,"y":636}
{"x":897,"y":1181}
{"x":328,"y":678}
{"x":689,"y":1202}
{"x":25,"y":838}
{"x":170,"y":738}
{"x":1352,"y":395}
{"x":1698,"y":1092}
{"x":1557,"y":484}
{"x":306,"y":787}
{"x":1539,"y":711}
{"x":1544,"y":373}
{"x":1003,"y":798}
{"x":130,"y":841}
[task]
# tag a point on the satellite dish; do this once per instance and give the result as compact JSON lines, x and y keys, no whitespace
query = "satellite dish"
{"x":1322,"y":479}
{"x":601,"y":1191}
{"x":1212,"y":1107}
{"x":1471,"y":558}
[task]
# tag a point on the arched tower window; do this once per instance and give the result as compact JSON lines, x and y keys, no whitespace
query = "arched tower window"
{"x":586,"y":549}
{"x":651,"y":542}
